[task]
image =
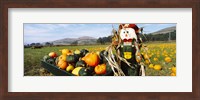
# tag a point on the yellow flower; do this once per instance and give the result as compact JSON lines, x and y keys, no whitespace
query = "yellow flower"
{"x":151,"y":66}
{"x":157,"y":67}
{"x":147,"y":62}
{"x":174,"y":69}
{"x":168,"y":59}
{"x":155,"y":59}
{"x":173,"y":74}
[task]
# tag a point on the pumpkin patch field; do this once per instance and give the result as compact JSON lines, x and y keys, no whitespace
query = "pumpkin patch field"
{"x":159,"y":59}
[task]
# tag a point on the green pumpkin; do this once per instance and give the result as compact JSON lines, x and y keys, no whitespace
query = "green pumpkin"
{"x":103,"y":54}
{"x":46,"y":57}
{"x":83,"y":52}
{"x":84,"y":72}
{"x":81,"y":63}
{"x":91,"y":69}
{"x":77,"y":53}
{"x":72,"y":59}
{"x":77,"y":56}
{"x":51,"y":61}
{"x":57,"y":60}
{"x":108,"y":68}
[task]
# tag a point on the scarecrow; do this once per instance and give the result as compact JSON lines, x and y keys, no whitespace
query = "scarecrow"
{"x":127,"y":43}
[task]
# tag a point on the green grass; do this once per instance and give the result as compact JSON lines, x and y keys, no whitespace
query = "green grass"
{"x":33,"y":57}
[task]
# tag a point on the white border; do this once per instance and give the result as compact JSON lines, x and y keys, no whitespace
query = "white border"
{"x":181,"y":83}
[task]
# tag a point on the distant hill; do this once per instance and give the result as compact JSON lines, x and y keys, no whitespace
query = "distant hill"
{"x":86,"y":37}
{"x":165,"y":30}
{"x":84,"y":40}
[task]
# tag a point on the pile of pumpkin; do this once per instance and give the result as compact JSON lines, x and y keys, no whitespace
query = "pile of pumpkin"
{"x":80,"y":62}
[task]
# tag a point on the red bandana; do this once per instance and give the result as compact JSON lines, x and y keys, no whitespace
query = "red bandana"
{"x":127,"y":40}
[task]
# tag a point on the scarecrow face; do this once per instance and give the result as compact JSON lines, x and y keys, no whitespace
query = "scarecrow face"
{"x":128,"y":33}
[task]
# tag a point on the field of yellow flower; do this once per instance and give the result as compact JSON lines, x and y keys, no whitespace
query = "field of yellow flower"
{"x":160,"y":59}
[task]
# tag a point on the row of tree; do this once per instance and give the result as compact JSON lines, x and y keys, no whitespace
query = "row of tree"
{"x":103,"y":40}
{"x":159,"y":37}
{"x":38,"y":44}
{"x":145,"y":37}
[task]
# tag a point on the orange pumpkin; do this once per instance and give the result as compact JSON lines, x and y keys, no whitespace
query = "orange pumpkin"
{"x":92,"y":59}
{"x":62,"y":64}
{"x":100,"y":69}
{"x":52,"y":54}
{"x":66,"y":52}
{"x":62,"y":57}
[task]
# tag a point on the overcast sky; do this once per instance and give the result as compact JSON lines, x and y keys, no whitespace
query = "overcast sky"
{"x":34,"y":33}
